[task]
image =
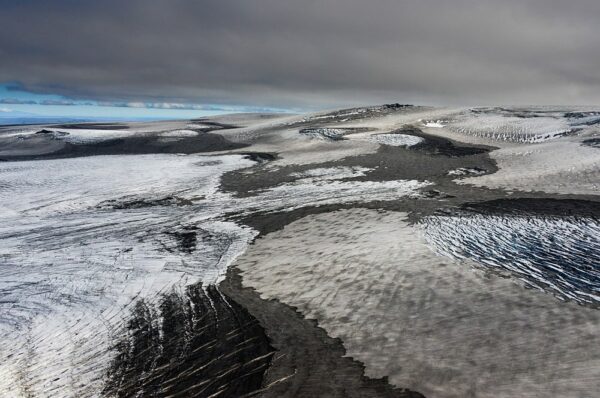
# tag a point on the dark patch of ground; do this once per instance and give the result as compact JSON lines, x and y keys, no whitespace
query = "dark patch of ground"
{"x":537,"y":206}
{"x":186,"y":239}
{"x":198,"y":344}
{"x":593,"y":142}
{"x":93,"y":126}
{"x":260,"y":157}
{"x":581,"y":115}
{"x":397,"y":106}
{"x":136,"y":145}
{"x":435,"y":146}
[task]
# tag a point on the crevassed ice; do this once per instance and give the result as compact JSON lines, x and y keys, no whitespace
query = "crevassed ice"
{"x":560,"y":255}
{"x":324,"y":133}
{"x":509,"y":128}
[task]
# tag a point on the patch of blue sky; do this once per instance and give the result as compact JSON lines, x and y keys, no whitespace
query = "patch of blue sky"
{"x":16,"y":101}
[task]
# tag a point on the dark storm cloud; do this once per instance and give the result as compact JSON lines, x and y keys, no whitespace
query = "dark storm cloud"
{"x":305,"y":53}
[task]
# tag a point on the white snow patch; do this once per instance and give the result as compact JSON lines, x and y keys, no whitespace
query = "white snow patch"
{"x":436,"y":124}
{"x":463,"y":171}
{"x":331,"y":173}
{"x":394,"y":139}
{"x":179,"y":133}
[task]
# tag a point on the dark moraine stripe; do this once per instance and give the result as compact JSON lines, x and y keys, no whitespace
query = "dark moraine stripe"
{"x":196,"y":344}
{"x":434,"y":145}
{"x":593,"y":142}
{"x":94,"y":126}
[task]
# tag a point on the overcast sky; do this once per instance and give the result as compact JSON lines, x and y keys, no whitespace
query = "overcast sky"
{"x":305,"y":54}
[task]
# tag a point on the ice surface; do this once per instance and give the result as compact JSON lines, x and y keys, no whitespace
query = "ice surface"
{"x":331,"y":173}
{"x":83,"y":238}
{"x":179,"y":133}
{"x":395,"y":139}
{"x":436,"y":123}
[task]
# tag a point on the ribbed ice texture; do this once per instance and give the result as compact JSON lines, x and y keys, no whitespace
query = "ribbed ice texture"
{"x":509,"y":128}
{"x":560,"y":255}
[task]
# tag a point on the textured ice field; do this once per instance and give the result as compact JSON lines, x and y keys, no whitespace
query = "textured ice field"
{"x":83,"y":238}
{"x":520,"y":125}
{"x":328,"y":134}
{"x":507,"y":128}
{"x":560,"y":255}
{"x":394,"y":139}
